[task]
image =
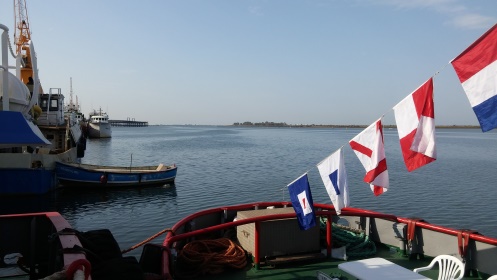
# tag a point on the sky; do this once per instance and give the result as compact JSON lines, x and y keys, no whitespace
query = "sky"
{"x":218,"y":62}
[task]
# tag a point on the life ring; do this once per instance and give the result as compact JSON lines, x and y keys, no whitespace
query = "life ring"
{"x":80,"y":264}
{"x":103,"y":178}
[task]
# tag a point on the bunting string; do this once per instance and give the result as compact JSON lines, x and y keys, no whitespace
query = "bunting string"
{"x":419,"y":143}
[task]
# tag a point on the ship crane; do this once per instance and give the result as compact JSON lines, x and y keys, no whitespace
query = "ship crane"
{"x":25,"y":50}
{"x":22,"y":36}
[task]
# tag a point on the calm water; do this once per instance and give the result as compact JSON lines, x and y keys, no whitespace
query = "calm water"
{"x":226,"y":165}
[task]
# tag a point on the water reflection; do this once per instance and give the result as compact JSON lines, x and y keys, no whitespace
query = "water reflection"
{"x":73,"y":201}
{"x":70,"y":202}
{"x":27,"y":204}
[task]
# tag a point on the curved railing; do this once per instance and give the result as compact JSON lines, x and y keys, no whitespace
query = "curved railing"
{"x":320,"y":210}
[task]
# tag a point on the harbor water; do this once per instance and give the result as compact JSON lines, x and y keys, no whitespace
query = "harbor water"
{"x":224,"y":165}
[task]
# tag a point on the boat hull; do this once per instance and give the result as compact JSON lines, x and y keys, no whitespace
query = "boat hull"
{"x":92,"y":176}
{"x":31,"y":173}
{"x":26,"y":181}
{"x":99,"y":130}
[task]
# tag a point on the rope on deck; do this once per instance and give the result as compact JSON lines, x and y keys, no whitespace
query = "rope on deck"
{"x":356,"y":241}
{"x":202,"y":257}
{"x":146,"y":240}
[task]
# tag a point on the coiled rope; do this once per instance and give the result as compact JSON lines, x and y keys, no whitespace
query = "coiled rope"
{"x":147,"y":240}
{"x":357,"y":244}
{"x":356,"y":241}
{"x":202,"y":257}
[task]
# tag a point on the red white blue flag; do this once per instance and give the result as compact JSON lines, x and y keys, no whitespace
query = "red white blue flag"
{"x":301,"y":198}
{"x":476,"y":68}
{"x":369,"y":148}
{"x":415,"y":118}
{"x":334,"y":176}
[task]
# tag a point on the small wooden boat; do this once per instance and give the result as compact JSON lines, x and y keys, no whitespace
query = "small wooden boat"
{"x":98,"y":176}
{"x":31,"y":248}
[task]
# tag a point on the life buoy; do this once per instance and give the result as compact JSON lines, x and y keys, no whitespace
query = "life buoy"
{"x":80,"y":264}
{"x":103,"y":178}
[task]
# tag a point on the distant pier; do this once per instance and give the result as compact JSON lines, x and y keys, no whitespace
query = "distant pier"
{"x":128,"y":122}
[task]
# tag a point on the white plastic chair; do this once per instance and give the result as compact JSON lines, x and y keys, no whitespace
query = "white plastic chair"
{"x":450,"y":267}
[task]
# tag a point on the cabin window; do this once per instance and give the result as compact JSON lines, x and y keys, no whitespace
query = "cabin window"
{"x":43,"y":104}
{"x":54,"y":104}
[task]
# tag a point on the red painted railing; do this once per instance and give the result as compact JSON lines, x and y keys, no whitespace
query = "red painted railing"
{"x":321,"y":210}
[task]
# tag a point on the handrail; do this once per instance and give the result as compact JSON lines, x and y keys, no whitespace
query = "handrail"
{"x":5,"y":42}
{"x":321,"y":210}
{"x":348,"y":211}
{"x":5,"y":65}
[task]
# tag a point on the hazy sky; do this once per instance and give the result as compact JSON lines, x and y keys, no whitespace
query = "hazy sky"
{"x":226,"y":61}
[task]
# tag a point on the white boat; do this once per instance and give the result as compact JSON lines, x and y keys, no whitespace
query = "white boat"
{"x":99,"y":125}
{"x":33,"y":137}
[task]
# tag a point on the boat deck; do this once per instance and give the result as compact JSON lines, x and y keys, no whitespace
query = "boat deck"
{"x":329,"y":266}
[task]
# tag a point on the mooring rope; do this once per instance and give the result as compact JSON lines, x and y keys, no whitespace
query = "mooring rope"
{"x":356,"y":241}
{"x":147,"y":240}
{"x":213,"y":256}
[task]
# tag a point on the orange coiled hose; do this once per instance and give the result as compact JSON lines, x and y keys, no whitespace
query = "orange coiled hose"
{"x":202,"y":257}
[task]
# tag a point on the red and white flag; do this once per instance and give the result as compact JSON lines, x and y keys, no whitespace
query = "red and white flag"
{"x":369,"y":148}
{"x":415,"y":118}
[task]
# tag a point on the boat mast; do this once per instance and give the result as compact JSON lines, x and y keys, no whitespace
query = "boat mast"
{"x":71,"y":105}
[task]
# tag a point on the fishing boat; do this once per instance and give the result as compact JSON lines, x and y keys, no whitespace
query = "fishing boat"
{"x":33,"y":136}
{"x":263,"y":240}
{"x":98,"y":125}
{"x":31,"y":248}
{"x":72,"y":175}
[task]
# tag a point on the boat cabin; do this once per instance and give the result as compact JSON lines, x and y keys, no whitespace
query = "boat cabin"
{"x":52,"y":108}
{"x":55,"y":123}
{"x":99,"y":119}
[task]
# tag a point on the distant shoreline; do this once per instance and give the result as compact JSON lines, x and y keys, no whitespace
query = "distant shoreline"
{"x":270,"y":124}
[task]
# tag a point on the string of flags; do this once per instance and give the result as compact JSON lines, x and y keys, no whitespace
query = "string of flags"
{"x":476,"y":68}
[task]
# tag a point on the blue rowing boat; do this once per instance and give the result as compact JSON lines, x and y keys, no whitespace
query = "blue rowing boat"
{"x":71,"y":175}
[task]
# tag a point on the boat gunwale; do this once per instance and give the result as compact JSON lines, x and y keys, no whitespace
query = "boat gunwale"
{"x":321,"y":210}
{"x":120,"y":169}
{"x":67,"y":240}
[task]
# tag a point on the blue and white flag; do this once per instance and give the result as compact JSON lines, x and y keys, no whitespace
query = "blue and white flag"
{"x":301,"y":197}
{"x":334,"y":176}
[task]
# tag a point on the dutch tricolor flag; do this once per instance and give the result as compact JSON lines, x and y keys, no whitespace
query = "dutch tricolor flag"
{"x":476,"y":68}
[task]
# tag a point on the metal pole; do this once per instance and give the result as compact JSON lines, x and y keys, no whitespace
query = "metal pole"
{"x":5,"y":69}
{"x":256,"y":244}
